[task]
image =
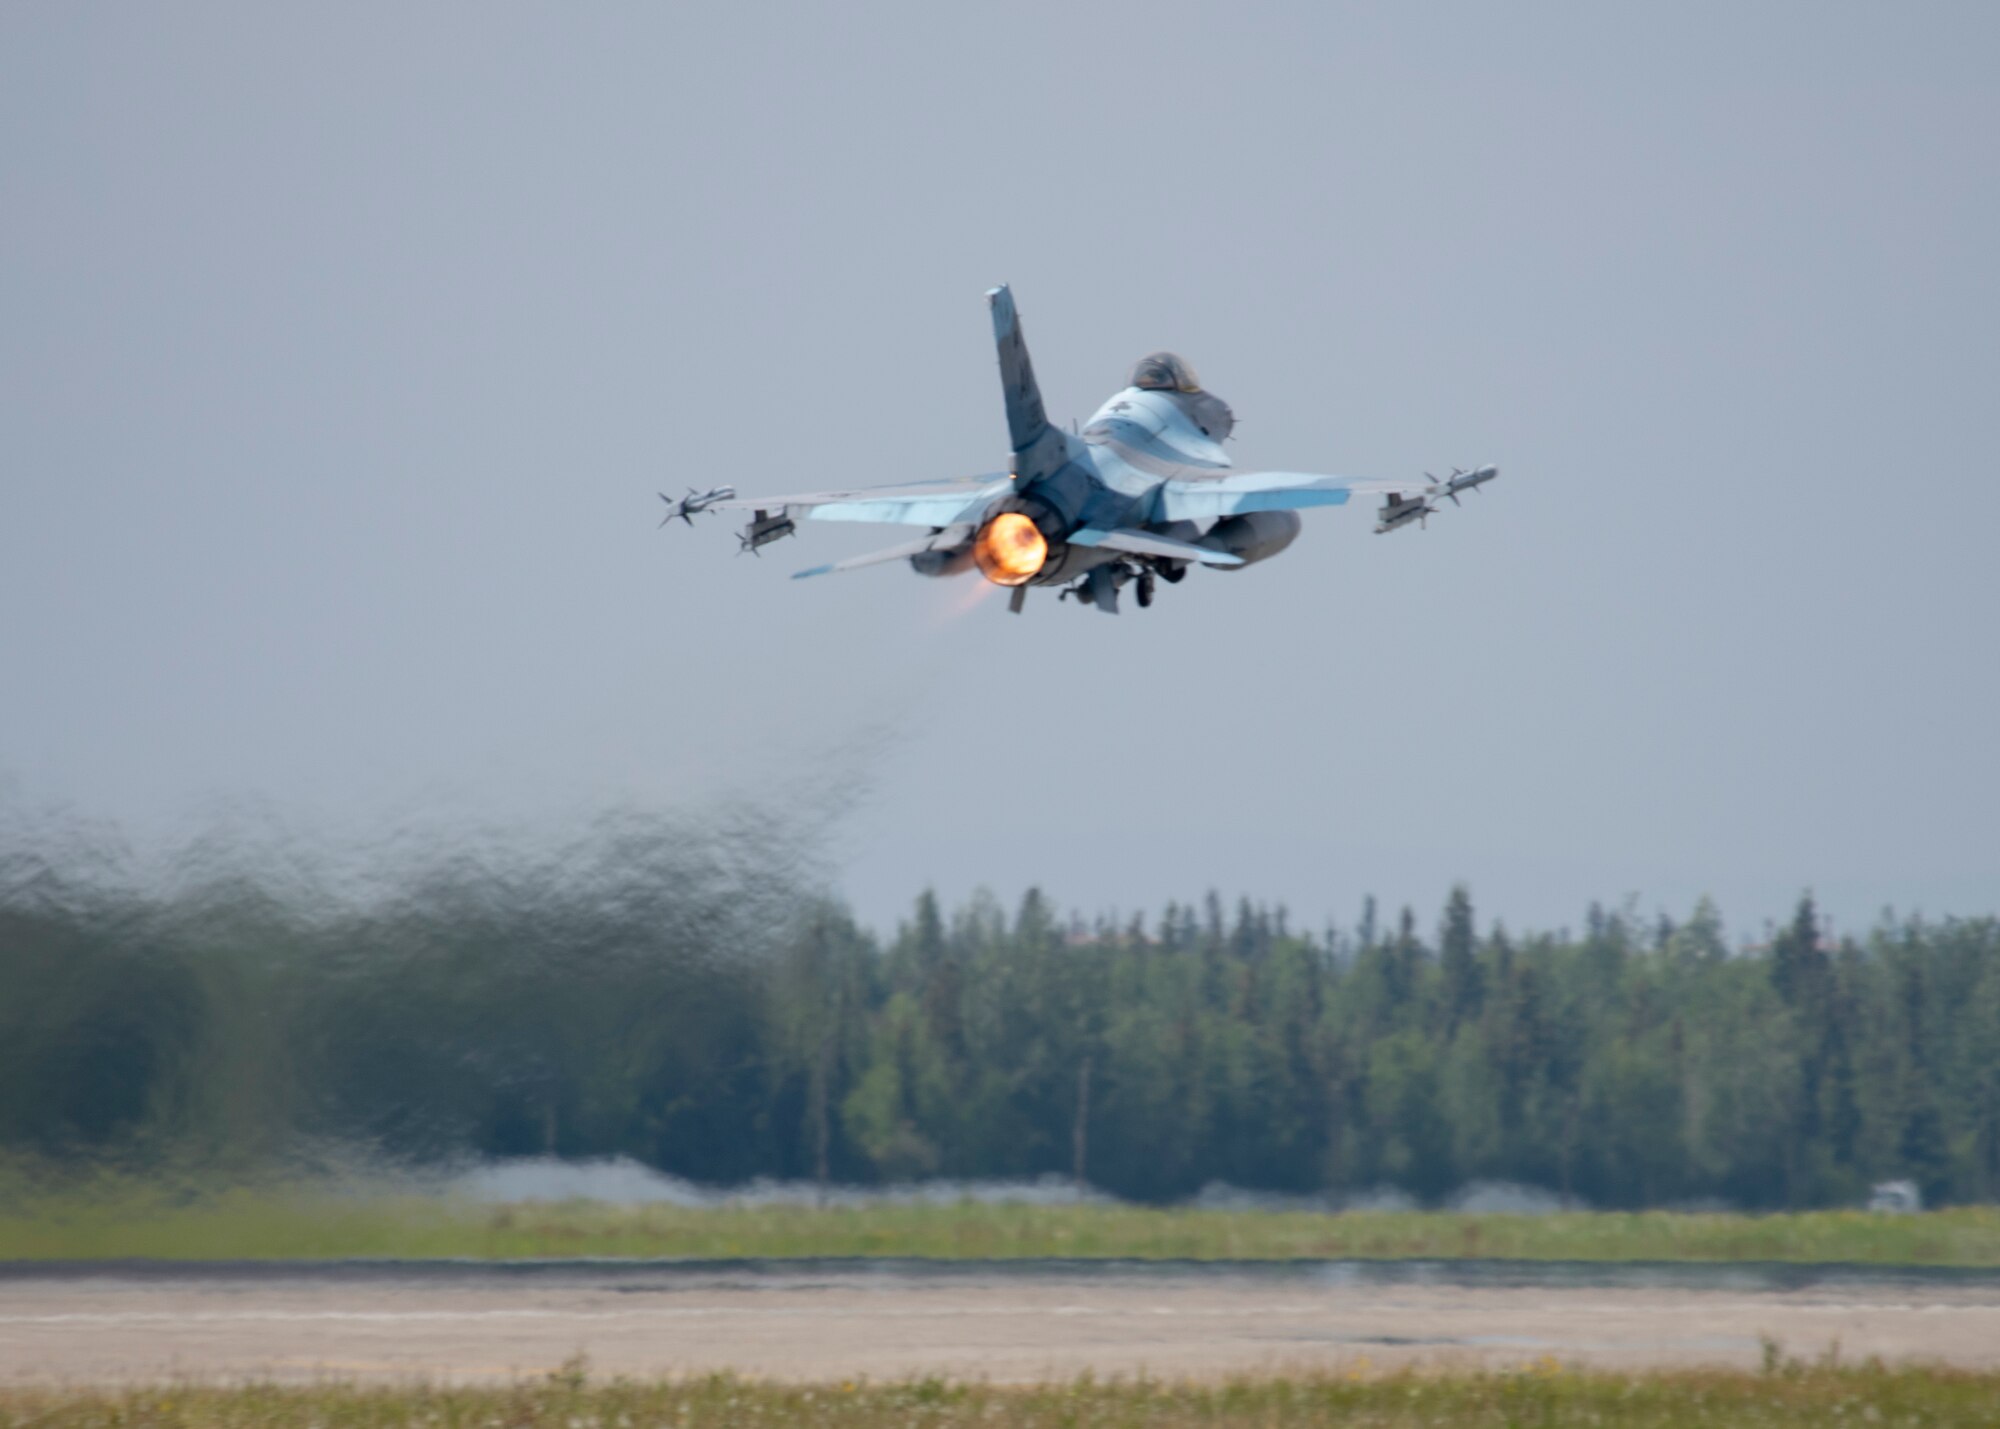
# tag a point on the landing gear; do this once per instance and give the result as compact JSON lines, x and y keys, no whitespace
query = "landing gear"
{"x":1099,"y":587}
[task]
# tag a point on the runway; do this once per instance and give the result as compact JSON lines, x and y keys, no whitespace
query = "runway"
{"x":465,"y":1322}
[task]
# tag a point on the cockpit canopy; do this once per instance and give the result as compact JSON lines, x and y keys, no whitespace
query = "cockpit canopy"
{"x":1165,"y":372}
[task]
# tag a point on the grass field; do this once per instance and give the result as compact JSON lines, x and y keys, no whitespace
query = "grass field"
{"x":1787,"y":1394}
{"x":274,"y":1225}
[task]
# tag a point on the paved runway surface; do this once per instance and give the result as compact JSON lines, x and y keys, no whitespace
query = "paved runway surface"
{"x":1003,"y":1322}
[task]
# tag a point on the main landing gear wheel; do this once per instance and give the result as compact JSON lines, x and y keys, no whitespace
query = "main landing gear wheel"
{"x":1145,"y":590}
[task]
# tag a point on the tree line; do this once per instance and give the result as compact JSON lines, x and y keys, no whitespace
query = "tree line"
{"x":684,"y":997}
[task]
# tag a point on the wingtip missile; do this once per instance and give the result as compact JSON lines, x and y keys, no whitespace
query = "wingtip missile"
{"x":687,"y":506}
{"x":1398,"y":511}
{"x":1469,"y":480}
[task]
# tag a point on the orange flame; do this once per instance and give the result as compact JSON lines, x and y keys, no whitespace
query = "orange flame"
{"x":1010,"y":550}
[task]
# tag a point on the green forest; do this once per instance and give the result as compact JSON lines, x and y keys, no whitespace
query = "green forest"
{"x":687,"y":995}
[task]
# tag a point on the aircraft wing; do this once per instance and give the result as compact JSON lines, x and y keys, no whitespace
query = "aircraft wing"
{"x":934,"y":503}
{"x":1243,"y":491}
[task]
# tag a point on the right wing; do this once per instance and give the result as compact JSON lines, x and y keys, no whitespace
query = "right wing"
{"x":1207,"y":497}
{"x":935,"y":503}
{"x":1243,"y":491}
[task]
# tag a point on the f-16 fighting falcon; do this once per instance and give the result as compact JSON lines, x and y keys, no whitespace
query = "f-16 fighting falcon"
{"x":1142,"y":493}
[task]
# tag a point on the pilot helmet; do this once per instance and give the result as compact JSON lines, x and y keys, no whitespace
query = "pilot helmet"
{"x":1165,"y":372}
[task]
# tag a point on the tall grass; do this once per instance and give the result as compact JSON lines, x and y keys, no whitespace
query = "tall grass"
{"x":1545,"y":1395}
{"x":267,"y":1224}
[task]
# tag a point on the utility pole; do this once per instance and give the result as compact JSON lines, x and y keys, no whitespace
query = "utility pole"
{"x":1080,"y":1145}
{"x":820,"y":1128}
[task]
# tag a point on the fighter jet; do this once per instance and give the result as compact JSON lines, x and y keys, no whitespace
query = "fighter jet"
{"x":1140,"y":494}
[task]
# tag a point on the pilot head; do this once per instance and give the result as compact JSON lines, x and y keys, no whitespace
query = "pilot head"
{"x":1165,"y":372}
{"x":1169,"y":373}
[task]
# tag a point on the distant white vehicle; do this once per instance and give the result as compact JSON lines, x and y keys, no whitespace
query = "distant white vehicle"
{"x":1896,"y":1198}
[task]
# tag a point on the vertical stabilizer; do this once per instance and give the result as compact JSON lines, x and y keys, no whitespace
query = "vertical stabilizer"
{"x":1026,"y":420}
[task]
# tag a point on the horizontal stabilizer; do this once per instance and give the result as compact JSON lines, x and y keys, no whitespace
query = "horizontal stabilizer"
{"x":1145,"y":543}
{"x":940,"y":539}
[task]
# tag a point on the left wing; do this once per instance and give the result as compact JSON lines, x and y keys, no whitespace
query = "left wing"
{"x":935,"y":503}
{"x":1243,"y":491}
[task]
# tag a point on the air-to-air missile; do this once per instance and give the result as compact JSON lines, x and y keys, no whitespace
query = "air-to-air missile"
{"x":1467,"y":481}
{"x":687,"y":506}
{"x":764,"y":528}
{"x":1398,"y":511}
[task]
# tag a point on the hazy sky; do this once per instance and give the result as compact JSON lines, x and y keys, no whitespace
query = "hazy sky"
{"x":343,"y":353}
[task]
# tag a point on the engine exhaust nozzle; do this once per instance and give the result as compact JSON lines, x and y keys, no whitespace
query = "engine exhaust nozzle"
{"x":1010,"y":549}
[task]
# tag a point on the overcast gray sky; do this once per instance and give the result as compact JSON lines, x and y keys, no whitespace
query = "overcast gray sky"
{"x":343,"y":352}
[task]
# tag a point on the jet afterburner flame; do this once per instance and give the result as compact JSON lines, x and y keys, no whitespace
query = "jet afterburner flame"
{"x":1010,"y":550}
